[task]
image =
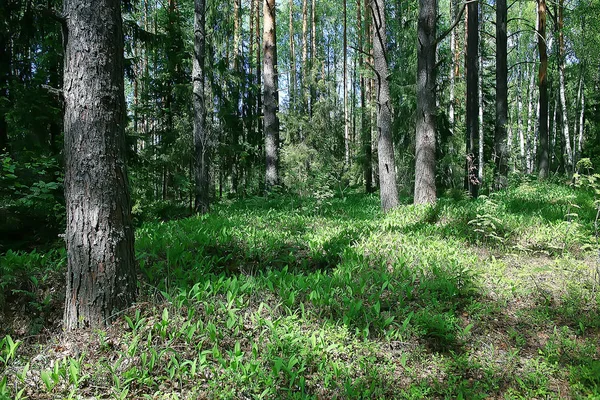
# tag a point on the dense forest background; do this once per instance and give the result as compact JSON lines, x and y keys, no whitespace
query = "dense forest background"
{"x":327,"y":105}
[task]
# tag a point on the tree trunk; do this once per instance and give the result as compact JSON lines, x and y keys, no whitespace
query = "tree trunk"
{"x":365,"y":130}
{"x":480,"y":142}
{"x":314,"y":67}
{"x":292,"y":60}
{"x":385,"y":146}
{"x":5,"y":58}
{"x":201,"y":164}
{"x":425,"y":191}
{"x":500,"y":136}
{"x":453,"y":65}
{"x":101,"y":276}
{"x":345,"y":91}
{"x":530,"y":124}
{"x":305,"y":66}
{"x":568,"y":153}
{"x":472,"y":114}
{"x":543,"y":166}
{"x":270,"y":95}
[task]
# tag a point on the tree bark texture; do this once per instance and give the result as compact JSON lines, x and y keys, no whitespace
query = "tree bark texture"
{"x":365,"y":130}
{"x":472,"y":115}
{"x":500,"y":137}
{"x":101,"y":272}
{"x":543,"y":156}
{"x":270,"y":95}
{"x":201,"y":149}
{"x":568,"y":151}
{"x":425,"y":191}
{"x":385,"y":146}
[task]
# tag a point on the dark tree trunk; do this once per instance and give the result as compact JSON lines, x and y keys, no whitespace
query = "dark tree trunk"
{"x":101,"y":276}
{"x":365,"y":129}
{"x":201,"y":153}
{"x":5,"y":58}
{"x":270,"y":95}
{"x":543,"y":162}
{"x":425,"y":141}
{"x":385,"y":146}
{"x":472,"y":174}
{"x":501,"y":135}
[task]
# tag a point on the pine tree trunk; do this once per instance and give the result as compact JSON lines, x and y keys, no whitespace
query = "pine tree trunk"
{"x":425,"y":191}
{"x":305,"y":66}
{"x":201,"y":153}
{"x":345,"y":90}
{"x":543,"y":156}
{"x":365,"y":130}
{"x":101,"y":276}
{"x":500,"y":137}
{"x":270,"y":95}
{"x":385,"y":146}
{"x":472,"y":114}
{"x":5,"y":58}
{"x":314,"y":67}
{"x":292,"y":59}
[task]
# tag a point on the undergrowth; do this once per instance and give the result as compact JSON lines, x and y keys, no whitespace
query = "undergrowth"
{"x":292,"y":297}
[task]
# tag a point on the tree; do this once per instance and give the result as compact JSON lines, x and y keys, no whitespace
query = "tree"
{"x":201,"y":159}
{"x":472,"y":115}
{"x":101,"y":276}
{"x":425,"y":191}
{"x":270,"y":95}
{"x":385,"y":146}
{"x":501,"y":134}
{"x":543,"y":161}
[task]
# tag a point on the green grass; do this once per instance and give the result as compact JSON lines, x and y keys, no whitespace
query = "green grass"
{"x":292,"y":297}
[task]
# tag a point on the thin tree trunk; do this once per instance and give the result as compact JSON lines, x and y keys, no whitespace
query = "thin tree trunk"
{"x":568,"y":156}
{"x":543,"y":162}
{"x":472,"y":114}
{"x":385,"y":146}
{"x":581,"y":117}
{"x":292,"y":59}
{"x":201,"y":153}
{"x":270,"y":95}
{"x":500,"y":137}
{"x":345,"y":91}
{"x":5,"y":68}
{"x":530,"y":132}
{"x":453,"y":46}
{"x":314,"y":67}
{"x":425,"y":191}
{"x":101,"y":272}
{"x":480,"y":141}
{"x":305,"y":66}
{"x":365,"y":130}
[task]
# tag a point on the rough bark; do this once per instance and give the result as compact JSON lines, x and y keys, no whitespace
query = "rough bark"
{"x":314,"y":67}
{"x":5,"y":58}
{"x":472,"y":112}
{"x":270,"y":95}
{"x":201,"y":153}
{"x":305,"y":66}
{"x":453,"y":66}
{"x":568,"y":152}
{"x":385,"y":146}
{"x":543,"y":158}
{"x":101,"y":272}
{"x":425,"y":191}
{"x":345,"y":90}
{"x":292,"y":59}
{"x":365,"y":130}
{"x":500,"y":137}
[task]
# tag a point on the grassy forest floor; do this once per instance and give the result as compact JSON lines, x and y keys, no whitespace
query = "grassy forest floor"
{"x":330,"y":298}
